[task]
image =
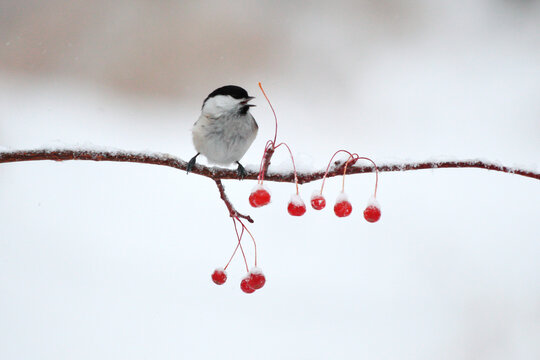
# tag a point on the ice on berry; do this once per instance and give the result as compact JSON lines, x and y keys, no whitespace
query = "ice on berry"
{"x":296,"y":200}
{"x":260,"y":187}
{"x":342,"y":197}
{"x":256,"y":270}
{"x":373,"y":202}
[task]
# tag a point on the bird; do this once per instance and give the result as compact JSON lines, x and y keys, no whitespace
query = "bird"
{"x":225,"y":129}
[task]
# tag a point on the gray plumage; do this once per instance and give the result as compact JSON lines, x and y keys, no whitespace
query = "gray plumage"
{"x":226,"y":129}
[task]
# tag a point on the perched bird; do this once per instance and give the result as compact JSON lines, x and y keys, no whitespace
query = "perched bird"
{"x":226,"y":129}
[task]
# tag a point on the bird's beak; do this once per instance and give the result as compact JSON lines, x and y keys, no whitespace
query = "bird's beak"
{"x":246,"y":100}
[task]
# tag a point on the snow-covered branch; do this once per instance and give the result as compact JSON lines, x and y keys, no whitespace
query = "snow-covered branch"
{"x":224,"y":174}
{"x":218,"y":174}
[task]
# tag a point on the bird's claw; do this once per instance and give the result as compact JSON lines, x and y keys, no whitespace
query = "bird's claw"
{"x":241,"y":171}
{"x":191,"y":164}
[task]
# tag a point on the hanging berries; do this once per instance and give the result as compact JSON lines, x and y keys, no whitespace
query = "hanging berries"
{"x":260,"y":196}
{"x":255,"y":278}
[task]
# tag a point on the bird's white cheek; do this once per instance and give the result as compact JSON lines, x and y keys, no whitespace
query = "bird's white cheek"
{"x":219,"y":105}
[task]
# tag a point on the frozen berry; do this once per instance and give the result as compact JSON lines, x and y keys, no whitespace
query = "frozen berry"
{"x":296,"y":206}
{"x":343,"y":207}
{"x":259,"y":196}
{"x":372,"y":213}
{"x":219,"y":276}
{"x":318,"y":202}
{"x":244,"y":285}
{"x":256,"y":279}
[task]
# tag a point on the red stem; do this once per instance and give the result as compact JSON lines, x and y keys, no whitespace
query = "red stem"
{"x":351,"y":157}
{"x":240,"y":244}
{"x":376,"y":174}
{"x":271,"y":107}
{"x":294,"y":166}
{"x":328,"y":167}
{"x":252,"y":238}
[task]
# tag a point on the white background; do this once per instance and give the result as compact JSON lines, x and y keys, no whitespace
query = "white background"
{"x":113,"y":261}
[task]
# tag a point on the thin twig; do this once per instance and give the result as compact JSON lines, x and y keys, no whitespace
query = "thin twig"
{"x":232,"y":211}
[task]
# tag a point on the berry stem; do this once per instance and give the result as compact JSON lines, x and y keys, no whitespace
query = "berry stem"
{"x":271,"y":107}
{"x":376,"y":174}
{"x":235,"y":250}
{"x":239,"y":242}
{"x":269,"y":144}
{"x":351,"y":157}
{"x":330,"y":163}
{"x":294,"y":166}
{"x":252,"y":238}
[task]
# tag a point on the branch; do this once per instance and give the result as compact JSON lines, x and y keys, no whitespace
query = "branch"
{"x":267,"y":159}
{"x":218,"y":174}
{"x":232,"y":211}
{"x":224,"y":174}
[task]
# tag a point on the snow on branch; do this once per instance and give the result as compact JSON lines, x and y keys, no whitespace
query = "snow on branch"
{"x":218,"y":174}
{"x":224,"y":174}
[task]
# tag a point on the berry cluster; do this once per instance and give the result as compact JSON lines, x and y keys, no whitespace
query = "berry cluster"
{"x":254,"y":280}
{"x":342,"y":207}
{"x":260,"y":195}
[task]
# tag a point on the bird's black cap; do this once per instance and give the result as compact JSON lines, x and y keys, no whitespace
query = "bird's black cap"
{"x":232,"y":90}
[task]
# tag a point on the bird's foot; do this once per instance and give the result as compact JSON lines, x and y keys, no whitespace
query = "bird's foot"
{"x":191,"y":163}
{"x":241,"y":171}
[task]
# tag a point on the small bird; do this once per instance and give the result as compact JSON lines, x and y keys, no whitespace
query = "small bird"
{"x":226,"y":129}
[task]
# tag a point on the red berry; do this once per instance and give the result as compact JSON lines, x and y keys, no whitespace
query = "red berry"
{"x":259,"y":196}
{"x":219,"y":276}
{"x":295,"y":207}
{"x":244,"y":285}
{"x":318,"y":202}
{"x":372,"y":213}
{"x":256,"y":279}
{"x":343,"y":208}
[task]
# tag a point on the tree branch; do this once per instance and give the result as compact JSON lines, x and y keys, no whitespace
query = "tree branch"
{"x":218,"y":174}
{"x":224,"y":174}
{"x":230,"y":207}
{"x":268,"y":158}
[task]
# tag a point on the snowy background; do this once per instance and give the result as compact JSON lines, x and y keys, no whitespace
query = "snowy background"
{"x":113,"y":261}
